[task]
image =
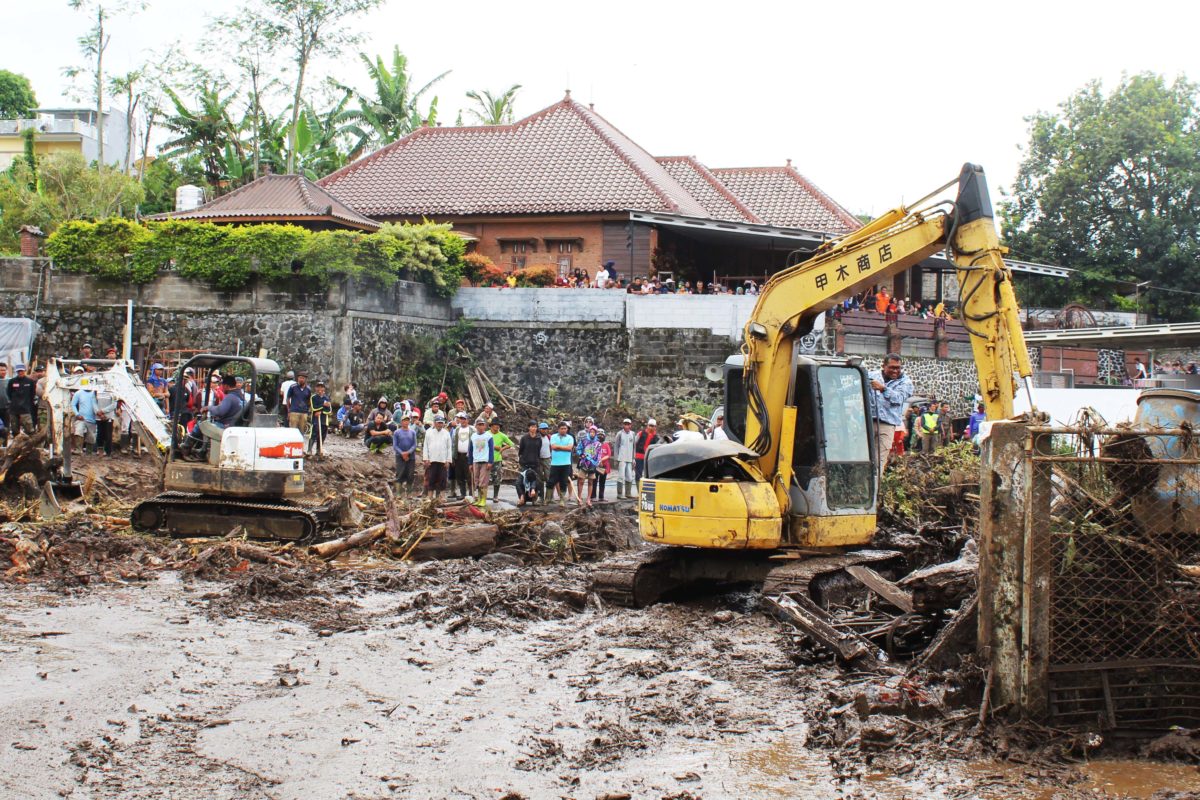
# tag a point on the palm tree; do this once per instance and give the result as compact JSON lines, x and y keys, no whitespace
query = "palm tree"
{"x":207,"y":132}
{"x":494,"y":109}
{"x":392,"y":112}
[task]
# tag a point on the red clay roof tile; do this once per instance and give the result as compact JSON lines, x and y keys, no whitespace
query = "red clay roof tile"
{"x":782,"y":196}
{"x":278,"y":198}
{"x":718,"y":201}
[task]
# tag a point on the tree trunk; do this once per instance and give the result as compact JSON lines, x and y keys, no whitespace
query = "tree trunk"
{"x":463,"y":541}
{"x":301,"y":66}
{"x":100,"y":86}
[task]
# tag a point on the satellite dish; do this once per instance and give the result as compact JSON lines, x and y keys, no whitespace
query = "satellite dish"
{"x":714,"y":373}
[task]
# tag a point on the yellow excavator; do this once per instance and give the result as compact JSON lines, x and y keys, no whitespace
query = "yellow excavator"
{"x":791,"y":495}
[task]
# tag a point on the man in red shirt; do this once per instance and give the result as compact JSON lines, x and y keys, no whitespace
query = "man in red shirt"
{"x":647,"y":437}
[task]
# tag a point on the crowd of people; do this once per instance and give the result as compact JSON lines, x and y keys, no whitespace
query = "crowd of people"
{"x":607,"y":278}
{"x":461,"y":453}
{"x":879,"y":300}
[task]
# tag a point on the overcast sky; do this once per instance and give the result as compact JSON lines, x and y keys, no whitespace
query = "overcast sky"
{"x":874,"y":102}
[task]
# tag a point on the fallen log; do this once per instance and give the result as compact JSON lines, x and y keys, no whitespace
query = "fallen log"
{"x":943,"y":586}
{"x":462,"y":541}
{"x":363,"y":538}
{"x":259,"y":554}
{"x":393,"y":519}
{"x":22,"y":455}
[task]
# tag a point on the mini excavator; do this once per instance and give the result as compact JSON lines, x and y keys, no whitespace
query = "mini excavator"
{"x":790,"y":498}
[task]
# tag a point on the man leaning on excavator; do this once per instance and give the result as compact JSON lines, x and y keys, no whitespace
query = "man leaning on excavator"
{"x":891,"y":389}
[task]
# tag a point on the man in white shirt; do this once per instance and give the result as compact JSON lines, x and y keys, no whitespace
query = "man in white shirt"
{"x":623,"y":444}
{"x":438,"y":453}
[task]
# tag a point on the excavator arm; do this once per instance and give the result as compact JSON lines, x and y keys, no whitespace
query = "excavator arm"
{"x":898,"y":240}
{"x":121,"y":382}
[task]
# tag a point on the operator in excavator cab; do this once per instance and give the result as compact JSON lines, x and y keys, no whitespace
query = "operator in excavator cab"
{"x":220,"y":416}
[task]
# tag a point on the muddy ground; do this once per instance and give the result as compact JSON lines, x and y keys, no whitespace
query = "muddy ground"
{"x":135,"y":667}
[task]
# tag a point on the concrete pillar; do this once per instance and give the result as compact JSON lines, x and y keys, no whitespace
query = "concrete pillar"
{"x":1014,"y":581}
{"x":941,"y":344}
{"x":894,"y":340}
{"x":839,"y":337}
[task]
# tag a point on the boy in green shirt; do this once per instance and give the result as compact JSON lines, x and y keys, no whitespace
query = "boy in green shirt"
{"x":500,"y":443}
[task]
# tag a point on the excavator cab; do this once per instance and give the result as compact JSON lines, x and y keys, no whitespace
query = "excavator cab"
{"x":830,"y":445}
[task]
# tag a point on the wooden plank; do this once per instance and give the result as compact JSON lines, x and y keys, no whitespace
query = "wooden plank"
{"x":815,"y":623}
{"x":882,"y":587}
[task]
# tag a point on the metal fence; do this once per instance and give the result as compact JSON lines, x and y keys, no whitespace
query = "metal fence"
{"x":1110,"y":576}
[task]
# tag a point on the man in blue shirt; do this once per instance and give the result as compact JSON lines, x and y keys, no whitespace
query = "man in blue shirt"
{"x":562,"y":444}
{"x":404,"y":445}
{"x":83,"y":405}
{"x":299,"y":409}
{"x":891,"y":389}
{"x":973,"y":424}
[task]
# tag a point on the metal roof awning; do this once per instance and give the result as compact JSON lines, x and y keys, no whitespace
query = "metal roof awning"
{"x":755,"y":234}
{"x":1143,"y":336}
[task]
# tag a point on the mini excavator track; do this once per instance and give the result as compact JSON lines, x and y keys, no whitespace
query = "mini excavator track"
{"x":186,"y":514}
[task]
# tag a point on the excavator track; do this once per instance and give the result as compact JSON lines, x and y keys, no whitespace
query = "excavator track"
{"x":187,"y":514}
{"x":636,"y":579}
{"x":641,"y":578}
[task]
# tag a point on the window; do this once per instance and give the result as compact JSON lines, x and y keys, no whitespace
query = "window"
{"x":564,"y":265}
{"x":517,"y":261}
{"x":566,"y":247}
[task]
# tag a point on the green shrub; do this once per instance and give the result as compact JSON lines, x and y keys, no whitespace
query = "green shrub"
{"x":273,"y":250}
{"x":102,"y":248}
{"x":227,"y":257}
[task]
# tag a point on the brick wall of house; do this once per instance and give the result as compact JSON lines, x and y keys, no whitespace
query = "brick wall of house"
{"x":585,"y":254}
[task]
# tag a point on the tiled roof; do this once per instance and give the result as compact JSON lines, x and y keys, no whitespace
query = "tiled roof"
{"x":563,"y":159}
{"x":782,"y":196}
{"x":718,"y":201}
{"x":278,"y":198}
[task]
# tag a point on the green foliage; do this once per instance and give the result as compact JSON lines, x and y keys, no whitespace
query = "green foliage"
{"x":66,"y":189}
{"x":17,"y":100}
{"x":164,"y":176}
{"x":391,"y":111}
{"x":909,"y":490}
{"x":494,"y":109}
{"x":426,"y":365}
{"x":698,"y":407}
{"x":227,"y":257}
{"x":1108,"y":187}
{"x":102,"y":248}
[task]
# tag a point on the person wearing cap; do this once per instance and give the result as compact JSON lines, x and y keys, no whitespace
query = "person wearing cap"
{"x":355,"y":420}
{"x":624,"y":442}
{"x":483,"y":455}
{"x":321,"y":407}
{"x":718,"y":431}
{"x":460,"y":470}
{"x":399,"y":412}
{"x":435,"y":408}
{"x":85,"y":351}
{"x":501,"y":442}
{"x":298,"y":397}
{"x":489,"y":412}
{"x":156,"y":384}
{"x":647,"y":437}
{"x":544,"y":461}
{"x":184,"y":397}
{"x":216,"y":393}
{"x":529,"y":465}
{"x":404,"y":445}
{"x":83,"y":407}
{"x":22,"y":401}
{"x":438,"y":452}
{"x":562,"y":445}
{"x":111,"y":354}
{"x":106,"y":417}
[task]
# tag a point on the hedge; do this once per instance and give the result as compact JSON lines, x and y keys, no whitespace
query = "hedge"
{"x":228,"y":257}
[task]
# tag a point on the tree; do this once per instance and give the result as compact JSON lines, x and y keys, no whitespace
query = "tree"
{"x":128,"y":86}
{"x":92,"y":45}
{"x":494,"y":109}
{"x":17,"y":100}
{"x":1110,"y":185}
{"x":67,"y":188}
{"x":247,"y":40}
{"x":392,"y":111}
{"x":207,"y":131}
{"x":307,"y":28}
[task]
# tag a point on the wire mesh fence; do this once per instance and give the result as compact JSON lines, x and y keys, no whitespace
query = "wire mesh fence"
{"x":1113,"y":549}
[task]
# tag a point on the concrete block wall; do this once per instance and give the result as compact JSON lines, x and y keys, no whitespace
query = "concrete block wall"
{"x":541,"y":305}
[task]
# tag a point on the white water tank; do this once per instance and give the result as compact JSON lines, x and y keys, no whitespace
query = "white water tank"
{"x":188,"y":197}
